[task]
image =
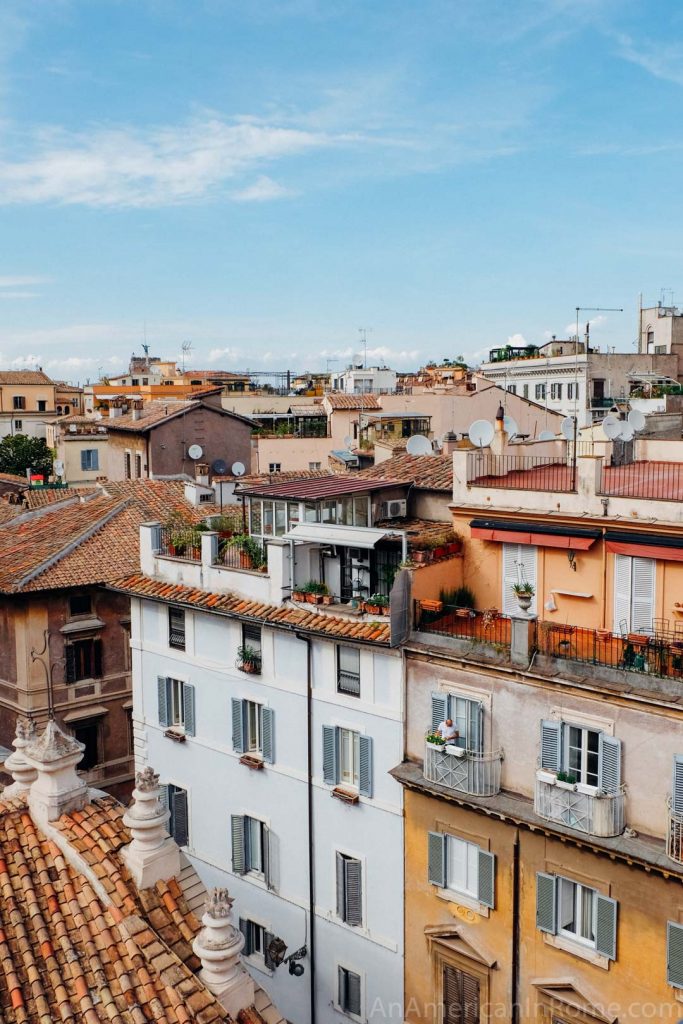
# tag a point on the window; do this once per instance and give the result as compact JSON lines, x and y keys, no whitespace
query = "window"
{"x":251,"y":637}
{"x":577,"y":912}
{"x":274,"y":467}
{"x":593,"y":757}
{"x":253,"y":729}
{"x":250,"y":847}
{"x":349,"y":991}
{"x":175,"y":799}
{"x":90,"y":459}
{"x":460,"y":994}
{"x":145,"y":380}
{"x":634,"y":593}
{"x":88,"y":733}
{"x":539,"y":391}
{"x":176,"y":704}
{"x":349,"y":890}
{"x":572,"y":391}
{"x":456,"y":864}
{"x":256,"y":942}
{"x":582,"y":748}
{"x":348,"y":671}
{"x":135,"y":381}
{"x":556,"y":391}
{"x":674,"y":954}
{"x":314,"y":465}
{"x":126,"y":465}
{"x":467,"y":716}
{"x":519,"y":566}
{"x":176,"y":628}
{"x":138,"y":466}
{"x":83,"y":659}
{"x":80,"y":604}
{"x":347,"y":759}
{"x":525,"y":390}
{"x":19,"y":402}
{"x":42,"y":405}
{"x":512,"y":388}
{"x":18,"y":424}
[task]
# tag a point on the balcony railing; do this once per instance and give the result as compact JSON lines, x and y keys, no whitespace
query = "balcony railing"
{"x":180,"y":544}
{"x":659,"y":654}
{"x":233,"y":556}
{"x":521,"y":472}
{"x":674,"y":839}
{"x":601,"y":403}
{"x":658,"y":481}
{"x":597,"y":814}
{"x":487,"y":627}
{"x":474,"y":774}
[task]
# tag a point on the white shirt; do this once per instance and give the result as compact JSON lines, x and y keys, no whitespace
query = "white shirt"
{"x":447,"y":732}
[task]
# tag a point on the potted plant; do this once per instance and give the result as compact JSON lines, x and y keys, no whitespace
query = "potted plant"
{"x":524,"y":593}
{"x":438,"y":544}
{"x":435,"y":741}
{"x":464,"y":602}
{"x":324,"y":591}
{"x":250,"y":551}
{"x":298,"y":594}
{"x":312,"y":592}
{"x":452,"y":542}
{"x":223,"y":526}
{"x":421,"y":551}
{"x":249,"y":659}
{"x":376,"y":604}
{"x":566,"y":780}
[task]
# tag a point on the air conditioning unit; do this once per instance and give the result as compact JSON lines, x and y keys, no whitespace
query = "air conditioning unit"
{"x":393,"y":509}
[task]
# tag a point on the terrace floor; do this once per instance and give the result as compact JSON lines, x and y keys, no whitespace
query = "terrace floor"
{"x":661,"y":481}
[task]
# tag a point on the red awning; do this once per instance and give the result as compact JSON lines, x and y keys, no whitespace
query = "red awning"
{"x":541,"y":540}
{"x":645,"y":551}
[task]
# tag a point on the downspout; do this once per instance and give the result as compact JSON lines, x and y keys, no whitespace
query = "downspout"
{"x":516,"y":930}
{"x":309,"y":792}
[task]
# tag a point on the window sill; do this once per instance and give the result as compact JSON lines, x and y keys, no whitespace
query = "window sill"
{"x":347,"y":796}
{"x":252,"y":761}
{"x":177,"y":735}
{"x":461,"y":899}
{"x":577,"y":949}
{"x":256,"y":961}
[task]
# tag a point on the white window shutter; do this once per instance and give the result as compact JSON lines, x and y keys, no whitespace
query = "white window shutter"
{"x":188,"y":709}
{"x":487,"y":879}
{"x":606,"y":926}
{"x":365,"y":765}
{"x":239,"y":860}
{"x":546,"y":902}
{"x":268,"y":734}
{"x":643,"y":594}
{"x":609,"y":764}
{"x":519,"y":566}
{"x":551,"y":745}
{"x":340,"y":885}
{"x":674,"y":954}
{"x":439,"y":709}
{"x":677,"y":785}
{"x":436,"y":858}
{"x":622,"y":593}
{"x":238,"y":725}
{"x":162,"y":697}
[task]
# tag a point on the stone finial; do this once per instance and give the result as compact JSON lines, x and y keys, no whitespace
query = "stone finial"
{"x":151,"y":854}
{"x":219,"y":946}
{"x":23,"y":773}
{"x":57,"y":788}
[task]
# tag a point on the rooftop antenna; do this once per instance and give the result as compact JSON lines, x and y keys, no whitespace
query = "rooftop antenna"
{"x":186,"y":349}
{"x":585,"y":309}
{"x":363,"y":331}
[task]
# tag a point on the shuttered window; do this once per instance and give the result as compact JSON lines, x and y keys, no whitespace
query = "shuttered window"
{"x":347,"y":759}
{"x":176,"y":704}
{"x":677,"y":785}
{"x":349,"y":890}
{"x":674,"y":954}
{"x":591,"y":757}
{"x":90,"y":459}
{"x":83,"y":659}
{"x":634,"y":593}
{"x":577,"y":912}
{"x":467,"y":716}
{"x":175,"y":799}
{"x":519,"y":566}
{"x":251,"y":843}
{"x":257,"y":940}
{"x":349,"y":991}
{"x":456,"y":864}
{"x":460,"y":995}
{"x":176,"y":628}
{"x":348,"y":671}
{"x":253,"y":729}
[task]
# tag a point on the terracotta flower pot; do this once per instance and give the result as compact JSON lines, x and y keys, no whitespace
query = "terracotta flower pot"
{"x":439,"y":552}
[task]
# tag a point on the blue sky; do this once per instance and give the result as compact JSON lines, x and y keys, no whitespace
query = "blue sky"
{"x":264,"y":177}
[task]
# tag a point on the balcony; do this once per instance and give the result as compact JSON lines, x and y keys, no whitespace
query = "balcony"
{"x":657,"y":481}
{"x":656,"y":652}
{"x":521,"y":472}
{"x":466,"y":772}
{"x":183,"y":541}
{"x":596,"y":814}
{"x":485,"y":627}
{"x":674,"y":837}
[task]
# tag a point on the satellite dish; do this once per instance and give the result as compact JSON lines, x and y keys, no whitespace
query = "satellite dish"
{"x":636,"y":419}
{"x":418,"y":444}
{"x":511,"y":427}
{"x":611,"y":426}
{"x":546,"y":435}
{"x":348,"y":441}
{"x":59,"y":467}
{"x":238,"y":469}
{"x":219,"y":467}
{"x":72,"y":428}
{"x":567,"y":427}
{"x":195,"y":451}
{"x":627,"y":433}
{"x":481,"y":433}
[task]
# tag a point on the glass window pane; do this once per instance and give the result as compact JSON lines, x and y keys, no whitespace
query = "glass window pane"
{"x":456,"y":868}
{"x":255,"y":518}
{"x":293,"y":512}
{"x":349,"y":660}
{"x":267,"y":518}
{"x":586,"y":896}
{"x":311,"y":513}
{"x":567,"y":905}
{"x":360,"y":511}
{"x":472,"y":868}
{"x":280,"y":518}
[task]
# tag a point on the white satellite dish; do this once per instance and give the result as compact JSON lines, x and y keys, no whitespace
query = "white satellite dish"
{"x":567,"y":426}
{"x":195,"y":451}
{"x":546,"y":435}
{"x":611,"y":426}
{"x":418,"y":444}
{"x":511,"y":427}
{"x":627,"y":433}
{"x":58,"y":467}
{"x":481,"y":433}
{"x":636,"y":419}
{"x":348,"y":441}
{"x":238,"y":469}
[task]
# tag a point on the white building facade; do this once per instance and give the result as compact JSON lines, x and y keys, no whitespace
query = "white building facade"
{"x":364,"y":380}
{"x":274,"y":730}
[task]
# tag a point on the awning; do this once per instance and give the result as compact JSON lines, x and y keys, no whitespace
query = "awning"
{"x":644,"y":545}
{"x":545,"y":535}
{"x":347,"y":536}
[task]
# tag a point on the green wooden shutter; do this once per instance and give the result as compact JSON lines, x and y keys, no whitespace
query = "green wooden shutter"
{"x":439,"y":709}
{"x":365,"y":765}
{"x":674,"y":954}
{"x":188,"y":709}
{"x":551,"y":746}
{"x":354,"y":892}
{"x":330,"y":776}
{"x":239,"y":860}
{"x":487,"y":879}
{"x":436,"y":858}
{"x":181,"y":830}
{"x":341,"y":885}
{"x":606,"y":926}
{"x":162,"y":697}
{"x":546,"y":902}
{"x":609,"y":764}
{"x":677,"y":785}
{"x":237,"y":726}
{"x":268,"y":734}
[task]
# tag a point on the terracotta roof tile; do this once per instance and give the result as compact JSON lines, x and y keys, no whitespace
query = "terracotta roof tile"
{"x":426,"y":472}
{"x":151,"y":414}
{"x":337,"y":400}
{"x":229,"y":604}
{"x":11,"y":377}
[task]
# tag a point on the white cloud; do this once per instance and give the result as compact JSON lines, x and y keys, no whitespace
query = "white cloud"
{"x":518,"y":340}
{"x":596,"y":321}
{"x":17,"y":295}
{"x":389,"y":356}
{"x":662,"y":59}
{"x":217,"y":355}
{"x":29,"y":360}
{"x":20,"y":280}
{"x":262,"y":190}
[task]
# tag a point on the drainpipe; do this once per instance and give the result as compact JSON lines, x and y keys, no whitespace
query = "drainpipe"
{"x":516,"y":929}
{"x":309,"y":789}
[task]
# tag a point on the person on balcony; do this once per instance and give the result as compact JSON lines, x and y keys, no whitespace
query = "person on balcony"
{"x":447,"y":731}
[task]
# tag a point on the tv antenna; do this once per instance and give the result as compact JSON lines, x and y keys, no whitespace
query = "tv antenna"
{"x":186,"y":349}
{"x":363,"y":331}
{"x":585,"y":309}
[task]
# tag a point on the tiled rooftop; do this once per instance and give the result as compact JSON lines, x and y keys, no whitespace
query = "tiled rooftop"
{"x":151,"y":414}
{"x":11,"y":377}
{"x":230,"y":604}
{"x":341,"y":401}
{"x":273,"y":478}
{"x":427,"y":472}
{"x":315,"y":489}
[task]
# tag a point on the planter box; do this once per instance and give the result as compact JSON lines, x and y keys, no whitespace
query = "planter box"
{"x":345,"y":795}
{"x":429,"y":605}
{"x":175,"y":735}
{"x":583,"y":787}
{"x":435,"y":746}
{"x":451,"y":748}
{"x":453,"y":548}
{"x":548,"y":777}
{"x":255,"y":763}
{"x":571,"y":786}
{"x":421,"y":557}
{"x":439,"y":552}
{"x":298,"y":595}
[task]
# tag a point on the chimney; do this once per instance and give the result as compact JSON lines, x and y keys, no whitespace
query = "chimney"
{"x":135,"y":413}
{"x":219,"y":945}
{"x":151,"y":854}
{"x":450,"y":443}
{"x":57,"y":789}
{"x":201,"y":472}
{"x":23,"y":773}
{"x":500,"y":438}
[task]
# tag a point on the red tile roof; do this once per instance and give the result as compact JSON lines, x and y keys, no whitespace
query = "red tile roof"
{"x":151,"y":414}
{"x":11,"y":377}
{"x":275,"y":615}
{"x":315,"y":489}
{"x":273,"y":478}
{"x":426,"y":472}
{"x":337,"y":400}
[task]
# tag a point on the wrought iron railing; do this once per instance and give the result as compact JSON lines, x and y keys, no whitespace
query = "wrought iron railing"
{"x":464,"y":772}
{"x":180,"y":543}
{"x":597,"y":814}
{"x":521,"y":472}
{"x":253,"y":556}
{"x":659,"y":653}
{"x":658,"y":481}
{"x":674,"y":838}
{"x":488,"y":627}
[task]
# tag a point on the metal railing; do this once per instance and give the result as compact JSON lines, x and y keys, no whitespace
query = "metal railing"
{"x":466,"y":772}
{"x":597,"y":814}
{"x":521,"y":472}
{"x":489,"y":627}
{"x":674,"y":837}
{"x":180,"y":544}
{"x":601,"y":403}
{"x":659,"y":654}
{"x":231,"y":556}
{"x":658,"y":481}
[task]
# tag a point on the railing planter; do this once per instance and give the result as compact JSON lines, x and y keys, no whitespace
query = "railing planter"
{"x":561,"y":784}
{"x":249,"y":661}
{"x":550,"y":778}
{"x":472,"y":773}
{"x":298,"y":595}
{"x":594,"y":813}
{"x":422,"y":556}
{"x":451,"y":748}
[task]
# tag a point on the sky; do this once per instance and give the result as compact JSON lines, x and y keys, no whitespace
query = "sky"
{"x":263,"y":178}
